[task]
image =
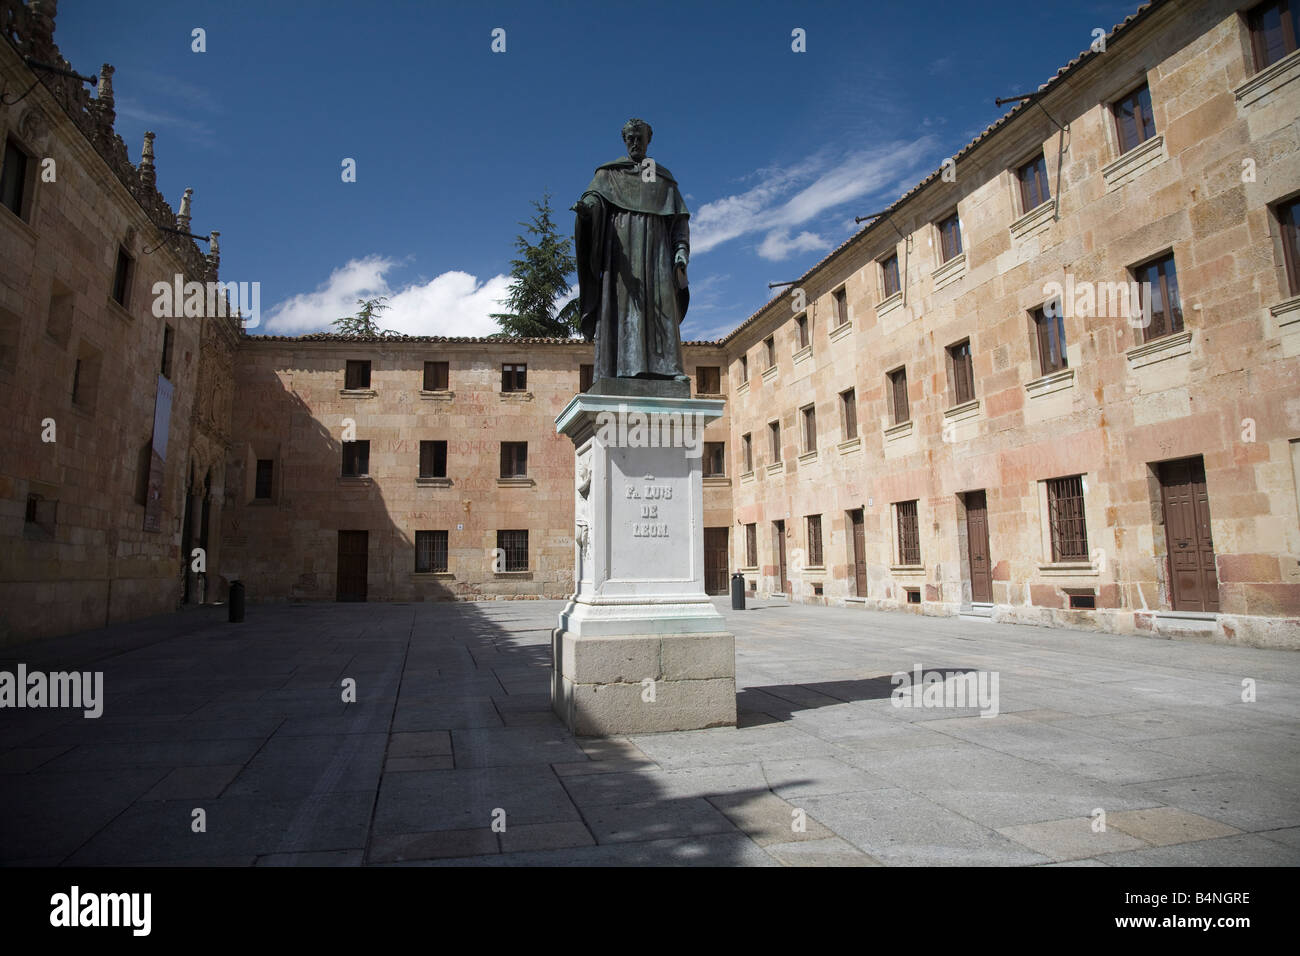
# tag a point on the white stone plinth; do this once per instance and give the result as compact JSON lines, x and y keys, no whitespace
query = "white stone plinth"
{"x":640,"y":647}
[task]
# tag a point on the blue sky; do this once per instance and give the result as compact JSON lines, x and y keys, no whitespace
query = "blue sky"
{"x":775,"y":151}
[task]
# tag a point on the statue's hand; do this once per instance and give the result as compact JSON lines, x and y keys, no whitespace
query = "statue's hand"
{"x":679,"y":268}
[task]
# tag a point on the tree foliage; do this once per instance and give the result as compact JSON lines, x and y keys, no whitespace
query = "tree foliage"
{"x":539,"y":277}
{"x":366,"y":321}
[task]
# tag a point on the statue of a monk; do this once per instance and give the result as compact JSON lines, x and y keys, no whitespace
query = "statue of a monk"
{"x":633,"y":242}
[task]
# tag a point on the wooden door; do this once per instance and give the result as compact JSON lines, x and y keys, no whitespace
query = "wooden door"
{"x":353,"y":551}
{"x":859,"y":552}
{"x":778,"y":530}
{"x":977,"y":540}
{"x":715,"y":560}
{"x":1193,"y":579}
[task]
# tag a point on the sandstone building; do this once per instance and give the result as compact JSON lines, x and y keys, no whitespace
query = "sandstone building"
{"x":1055,"y":383}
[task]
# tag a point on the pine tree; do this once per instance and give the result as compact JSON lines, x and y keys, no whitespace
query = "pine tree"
{"x":365,"y":322}
{"x":539,"y":276}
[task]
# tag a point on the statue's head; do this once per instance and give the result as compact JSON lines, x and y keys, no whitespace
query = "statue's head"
{"x":636,"y":137}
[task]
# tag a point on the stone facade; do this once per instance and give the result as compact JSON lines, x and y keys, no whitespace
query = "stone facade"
{"x":293,"y":415}
{"x":79,"y":370}
{"x":1225,"y":390}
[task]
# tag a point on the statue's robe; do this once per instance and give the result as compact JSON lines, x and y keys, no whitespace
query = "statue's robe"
{"x":628,"y":294}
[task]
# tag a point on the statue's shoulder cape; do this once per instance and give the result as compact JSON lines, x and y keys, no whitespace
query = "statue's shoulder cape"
{"x":621,"y":184}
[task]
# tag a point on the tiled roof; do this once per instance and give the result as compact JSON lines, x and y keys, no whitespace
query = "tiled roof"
{"x":1087,"y":55}
{"x":417,"y":339}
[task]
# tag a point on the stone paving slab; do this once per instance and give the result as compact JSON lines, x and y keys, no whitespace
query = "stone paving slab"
{"x":451,"y":754}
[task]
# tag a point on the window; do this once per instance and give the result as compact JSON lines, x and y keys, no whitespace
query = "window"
{"x":708,"y":380}
{"x":949,"y":237}
{"x":747,"y":453}
{"x":436,"y":376}
{"x":85,"y":376}
{"x":262,"y":485}
{"x":841,"y":298}
{"x":431,"y":552}
{"x":1065,"y":517}
{"x":774,"y":435}
{"x":1032,"y":177}
{"x":898,"y":396}
{"x":1082,"y":600}
{"x":1134,"y":121}
{"x":356,"y":374}
{"x":849,"y":413}
{"x":809,"y":428}
{"x":909,"y":535}
{"x":514,"y":378}
{"x":769,"y":351}
{"x":1049,"y":328}
{"x":715,"y":465}
{"x":1274,"y":29}
{"x":586,"y":376}
{"x":744,"y":368}
{"x":122,"y":277}
{"x":801,"y":330}
{"x":514,"y":548}
{"x":889,"y":274}
{"x":1158,"y":291}
{"x":751,"y":545}
{"x":514,"y":459}
{"x":961,"y":374}
{"x":913,"y":595}
{"x":356,"y":459}
{"x":41,"y":515}
{"x":815,"y":541}
{"x":13,"y":179}
{"x":433,"y":459}
{"x":1287,"y":214}
{"x":168,"y":339}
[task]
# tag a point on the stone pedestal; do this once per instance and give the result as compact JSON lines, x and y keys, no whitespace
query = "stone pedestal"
{"x":640,"y":647}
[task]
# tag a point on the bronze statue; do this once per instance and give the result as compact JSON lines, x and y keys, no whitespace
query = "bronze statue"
{"x":633,"y":242}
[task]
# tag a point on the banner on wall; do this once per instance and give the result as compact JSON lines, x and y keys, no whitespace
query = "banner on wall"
{"x":162,"y":416}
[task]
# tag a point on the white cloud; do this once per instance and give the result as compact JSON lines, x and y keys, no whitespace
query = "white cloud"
{"x":790,"y":197}
{"x":778,"y":245}
{"x":453,"y":303}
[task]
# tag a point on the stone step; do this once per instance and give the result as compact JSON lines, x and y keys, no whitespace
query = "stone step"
{"x":976,"y":612}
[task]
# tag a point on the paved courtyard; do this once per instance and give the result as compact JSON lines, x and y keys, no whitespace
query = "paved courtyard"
{"x":451,"y":731}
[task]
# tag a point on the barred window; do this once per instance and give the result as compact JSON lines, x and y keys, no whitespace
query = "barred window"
{"x":898,"y":396}
{"x":514,"y":544}
{"x":815,"y":540}
{"x":435,"y":376}
{"x":431,"y":552}
{"x":433,"y":459}
{"x":1065,"y":517}
{"x":909,"y":534}
{"x":751,"y":545}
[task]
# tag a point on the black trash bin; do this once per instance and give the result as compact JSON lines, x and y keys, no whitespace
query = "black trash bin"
{"x":737,"y":592}
{"x":236,"y":601}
